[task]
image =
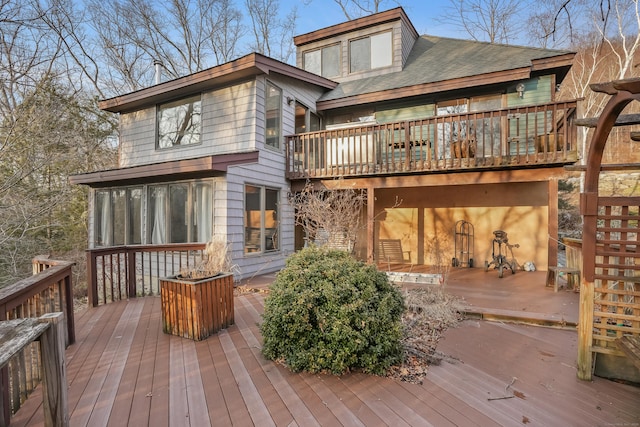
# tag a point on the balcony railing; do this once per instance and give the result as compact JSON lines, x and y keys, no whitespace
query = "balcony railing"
{"x":508,"y":138}
{"x":49,"y":290}
{"x":121,"y":272}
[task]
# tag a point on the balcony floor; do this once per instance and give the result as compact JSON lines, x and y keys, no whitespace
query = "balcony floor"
{"x":124,"y":370}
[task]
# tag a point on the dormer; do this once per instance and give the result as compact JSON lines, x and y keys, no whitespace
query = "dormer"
{"x":372,"y":45}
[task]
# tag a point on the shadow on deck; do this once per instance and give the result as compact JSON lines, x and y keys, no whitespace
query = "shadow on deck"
{"x":124,"y":371}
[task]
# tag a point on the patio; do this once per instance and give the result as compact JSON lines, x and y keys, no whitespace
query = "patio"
{"x":123,"y":370}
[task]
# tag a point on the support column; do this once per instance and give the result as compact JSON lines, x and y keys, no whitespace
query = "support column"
{"x":371,"y":226}
{"x":552,"y":251}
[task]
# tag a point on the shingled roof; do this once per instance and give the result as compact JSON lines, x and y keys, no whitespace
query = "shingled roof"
{"x":439,"y":59}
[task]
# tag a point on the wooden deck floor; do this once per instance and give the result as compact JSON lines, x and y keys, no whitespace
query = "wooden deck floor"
{"x":124,"y":371}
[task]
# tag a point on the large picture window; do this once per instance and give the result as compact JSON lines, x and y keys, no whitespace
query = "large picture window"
{"x":273,"y":112}
{"x":179,"y":212}
{"x":261,"y":221}
{"x":325,"y":61}
{"x":371,"y":52}
{"x":179,"y":122}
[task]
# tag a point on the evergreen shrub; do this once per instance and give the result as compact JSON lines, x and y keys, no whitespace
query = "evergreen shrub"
{"x":327,"y":311}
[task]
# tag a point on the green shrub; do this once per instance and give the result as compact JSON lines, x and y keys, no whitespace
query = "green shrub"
{"x":328,"y":312}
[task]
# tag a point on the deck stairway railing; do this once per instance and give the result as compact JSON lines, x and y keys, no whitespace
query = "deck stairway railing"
{"x":49,"y":290}
{"x":121,"y":272}
{"x":537,"y":135}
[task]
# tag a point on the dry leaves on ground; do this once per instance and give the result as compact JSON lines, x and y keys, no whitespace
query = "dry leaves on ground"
{"x":429,"y":312}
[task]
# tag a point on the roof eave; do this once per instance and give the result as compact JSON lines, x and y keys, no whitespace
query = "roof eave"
{"x":241,"y":69}
{"x":390,"y":15}
{"x":427,"y":88}
{"x":156,"y":172}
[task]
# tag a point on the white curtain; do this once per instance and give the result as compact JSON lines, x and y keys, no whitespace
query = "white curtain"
{"x":202,"y":212}
{"x":159,"y":230}
{"x":103,"y":201}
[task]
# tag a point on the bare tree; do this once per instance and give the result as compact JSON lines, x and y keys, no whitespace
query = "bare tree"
{"x":353,"y":9}
{"x":495,"y":21}
{"x":50,"y":134}
{"x":332,"y":217}
{"x":607,"y":53}
{"x":272,"y":35}
{"x":225,"y":29}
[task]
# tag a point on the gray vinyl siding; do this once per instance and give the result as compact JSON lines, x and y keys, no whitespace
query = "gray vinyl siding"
{"x":228,"y":123}
{"x":268,"y":172}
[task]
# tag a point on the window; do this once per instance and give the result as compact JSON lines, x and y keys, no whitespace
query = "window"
{"x":325,"y":61}
{"x":179,"y":122}
{"x":118,"y":217}
{"x":370,"y":52}
{"x":273,"y":116}
{"x":180,"y":212}
{"x":305,"y":119}
{"x":261,"y":221}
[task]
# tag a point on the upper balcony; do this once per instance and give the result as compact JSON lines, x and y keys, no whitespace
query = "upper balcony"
{"x":519,"y":137}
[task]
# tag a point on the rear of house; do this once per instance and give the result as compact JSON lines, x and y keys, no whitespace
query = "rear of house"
{"x":435,"y":130}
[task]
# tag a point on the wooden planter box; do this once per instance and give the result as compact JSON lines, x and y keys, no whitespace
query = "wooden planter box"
{"x":196,"y":309}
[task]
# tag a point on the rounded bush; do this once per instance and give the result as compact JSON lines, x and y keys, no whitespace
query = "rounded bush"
{"x":327,"y":311}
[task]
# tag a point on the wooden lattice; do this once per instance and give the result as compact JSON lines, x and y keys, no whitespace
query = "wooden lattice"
{"x":610,"y":288}
{"x":617,"y":273}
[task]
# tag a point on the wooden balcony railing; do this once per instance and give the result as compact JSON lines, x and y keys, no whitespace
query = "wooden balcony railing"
{"x":508,"y":138}
{"x":49,"y":290}
{"x":120,"y":272}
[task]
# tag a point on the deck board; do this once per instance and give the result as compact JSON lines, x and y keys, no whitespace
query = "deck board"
{"x":123,"y":370}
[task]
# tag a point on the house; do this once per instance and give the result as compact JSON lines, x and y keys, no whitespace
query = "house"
{"x":435,"y":130}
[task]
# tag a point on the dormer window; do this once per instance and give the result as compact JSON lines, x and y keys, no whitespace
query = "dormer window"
{"x":370,"y":52}
{"x":324,"y":62}
{"x":179,"y":122}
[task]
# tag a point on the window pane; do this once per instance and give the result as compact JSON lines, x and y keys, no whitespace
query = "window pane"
{"x":252,"y":219}
{"x":202,"y":229}
{"x":119,"y":215}
{"x":134,"y":209}
{"x":271,"y":220}
{"x":331,"y":61}
{"x":312,"y":61}
{"x":157,"y":214}
{"x":178,"y":206}
{"x":179,"y":122}
{"x":301,"y":118}
{"x":102,"y":220}
{"x":360,"y":55}
{"x":273,"y":116}
{"x":381,"y":50}
{"x":314,"y":122}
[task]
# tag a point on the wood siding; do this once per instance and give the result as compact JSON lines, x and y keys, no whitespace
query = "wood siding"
{"x":228,"y":123}
{"x":269,"y":172}
{"x":401,"y":47}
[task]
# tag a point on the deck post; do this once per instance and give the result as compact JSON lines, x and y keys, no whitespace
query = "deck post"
{"x":552,"y":245}
{"x":371,"y":226}
{"x":585,"y":329}
{"x":92,"y":279}
{"x":54,"y":387}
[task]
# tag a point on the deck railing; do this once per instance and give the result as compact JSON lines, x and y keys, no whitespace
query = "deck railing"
{"x":525,"y":136}
{"x":121,"y":272}
{"x":49,"y":290}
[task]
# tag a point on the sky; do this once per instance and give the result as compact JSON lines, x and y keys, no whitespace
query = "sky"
{"x":422,"y":13}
